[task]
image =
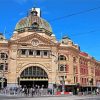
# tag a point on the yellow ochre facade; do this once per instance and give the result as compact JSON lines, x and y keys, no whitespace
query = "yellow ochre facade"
{"x":33,"y":56}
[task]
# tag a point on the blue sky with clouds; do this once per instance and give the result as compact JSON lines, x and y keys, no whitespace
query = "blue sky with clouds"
{"x":83,"y":28}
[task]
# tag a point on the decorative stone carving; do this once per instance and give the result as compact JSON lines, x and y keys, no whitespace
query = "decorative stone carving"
{"x":35,"y":42}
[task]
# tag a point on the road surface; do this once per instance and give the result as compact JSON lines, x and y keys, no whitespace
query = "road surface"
{"x":2,"y":97}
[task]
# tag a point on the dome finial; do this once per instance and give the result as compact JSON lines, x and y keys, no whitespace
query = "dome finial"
{"x":34,"y":12}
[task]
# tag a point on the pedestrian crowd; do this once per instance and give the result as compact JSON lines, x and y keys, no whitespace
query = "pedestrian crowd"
{"x":28,"y":91}
{"x":37,"y":91}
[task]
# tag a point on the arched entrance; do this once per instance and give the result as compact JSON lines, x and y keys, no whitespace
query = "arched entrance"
{"x":33,"y":76}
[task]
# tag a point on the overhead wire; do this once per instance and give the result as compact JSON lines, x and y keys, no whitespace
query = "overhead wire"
{"x":74,"y":14}
{"x":85,"y":33}
{"x":79,"y":34}
{"x":78,"y":13}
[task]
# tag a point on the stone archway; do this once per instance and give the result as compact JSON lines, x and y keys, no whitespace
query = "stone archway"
{"x":32,"y":76}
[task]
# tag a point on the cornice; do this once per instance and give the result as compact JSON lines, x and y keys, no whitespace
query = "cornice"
{"x":68,"y":48}
{"x":22,"y":40}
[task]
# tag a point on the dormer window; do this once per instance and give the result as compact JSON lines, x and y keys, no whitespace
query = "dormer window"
{"x":35,"y":25}
{"x":1,"y":38}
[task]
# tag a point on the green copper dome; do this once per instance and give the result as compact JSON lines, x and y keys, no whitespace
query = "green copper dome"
{"x":33,"y":20}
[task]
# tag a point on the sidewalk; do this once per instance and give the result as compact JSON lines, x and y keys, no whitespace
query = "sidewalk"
{"x":16,"y":95}
{"x":38,"y":96}
{"x":50,"y":97}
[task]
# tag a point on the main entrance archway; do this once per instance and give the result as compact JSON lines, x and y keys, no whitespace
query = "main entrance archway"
{"x":33,"y":76}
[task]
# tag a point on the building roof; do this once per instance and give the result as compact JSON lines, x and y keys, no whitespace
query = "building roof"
{"x":2,"y":38}
{"x":32,"y":20}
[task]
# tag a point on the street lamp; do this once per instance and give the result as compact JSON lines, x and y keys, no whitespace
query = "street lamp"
{"x":3,"y":75}
{"x":91,"y":83}
{"x":63,"y":83}
{"x":78,"y":88}
{"x":56,"y":62}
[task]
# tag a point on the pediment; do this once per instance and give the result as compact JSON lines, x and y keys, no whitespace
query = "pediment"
{"x":34,"y":39}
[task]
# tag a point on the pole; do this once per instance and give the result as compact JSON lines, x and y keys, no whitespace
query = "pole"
{"x":91,"y":88}
{"x":3,"y":72}
{"x":63,"y":85}
{"x":2,"y":82}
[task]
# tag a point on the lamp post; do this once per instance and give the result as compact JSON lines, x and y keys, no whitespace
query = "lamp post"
{"x":78,"y":88}
{"x":63,"y":83}
{"x":91,"y":83}
{"x":3,"y":74}
{"x":55,"y":59}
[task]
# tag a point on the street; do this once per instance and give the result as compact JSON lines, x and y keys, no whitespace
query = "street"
{"x":51,"y":98}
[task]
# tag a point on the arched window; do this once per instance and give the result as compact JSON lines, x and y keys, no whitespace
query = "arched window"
{"x":35,"y":25}
{"x":3,"y":56}
{"x":61,"y":57}
{"x":35,"y":72}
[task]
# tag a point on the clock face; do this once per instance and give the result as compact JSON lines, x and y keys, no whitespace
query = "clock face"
{"x":35,"y":42}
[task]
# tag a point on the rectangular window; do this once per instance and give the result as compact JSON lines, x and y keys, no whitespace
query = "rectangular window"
{"x":23,"y":51}
{"x":30,"y":52}
{"x":45,"y":53}
{"x":38,"y":52}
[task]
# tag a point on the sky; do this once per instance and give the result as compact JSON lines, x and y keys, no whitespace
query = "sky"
{"x":77,"y":19}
